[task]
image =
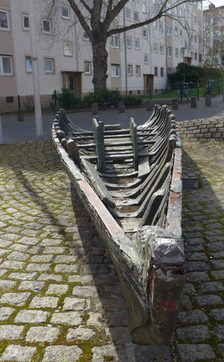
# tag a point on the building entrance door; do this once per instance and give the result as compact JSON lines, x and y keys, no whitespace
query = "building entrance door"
{"x":73,"y":81}
{"x":148,"y":84}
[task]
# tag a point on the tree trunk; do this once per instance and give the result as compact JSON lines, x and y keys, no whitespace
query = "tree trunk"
{"x":100,"y":56}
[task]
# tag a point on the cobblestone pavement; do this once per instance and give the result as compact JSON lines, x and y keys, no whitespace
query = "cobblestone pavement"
{"x":59,"y":295}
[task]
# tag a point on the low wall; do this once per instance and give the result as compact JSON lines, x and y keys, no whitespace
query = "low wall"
{"x":209,"y":129}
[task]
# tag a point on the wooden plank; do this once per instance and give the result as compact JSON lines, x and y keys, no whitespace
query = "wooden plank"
{"x":143,"y":167}
{"x":98,"y":131}
{"x":133,"y":132}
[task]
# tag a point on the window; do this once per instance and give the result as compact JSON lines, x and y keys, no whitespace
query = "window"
{"x":6,"y":65}
{"x":4,"y":20}
{"x":162,"y":72}
{"x":114,"y":41}
{"x":68,"y":49}
{"x":144,"y":33}
{"x":137,"y":44}
{"x":169,"y":51}
{"x":155,"y":24}
{"x":9,"y":100}
{"x":168,"y":29}
{"x":49,"y":65}
{"x":144,"y":8}
{"x":195,"y":38}
{"x":128,"y":14}
{"x":65,"y":12}
{"x":155,"y":48}
{"x":128,"y":42}
{"x":176,"y":31}
{"x":161,"y":49}
{"x":87,"y":67}
{"x":176,"y":52}
{"x":137,"y":70}
{"x":130,"y":70}
{"x":136,"y":16}
{"x":200,"y":58}
{"x":160,"y":26}
{"x":146,"y":58}
{"x":195,"y":56}
{"x":26,"y":22}
{"x":28,"y":62}
{"x":85,"y":36}
{"x":115,"y":70}
{"x":46,"y":26}
{"x":156,"y":71}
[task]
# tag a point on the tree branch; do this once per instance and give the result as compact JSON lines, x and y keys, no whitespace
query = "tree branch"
{"x":81,"y":18}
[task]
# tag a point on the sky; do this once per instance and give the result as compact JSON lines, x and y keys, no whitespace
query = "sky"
{"x":216,"y":2}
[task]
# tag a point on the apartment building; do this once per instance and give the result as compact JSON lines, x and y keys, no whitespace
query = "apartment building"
{"x":214,"y":36}
{"x":138,"y":60}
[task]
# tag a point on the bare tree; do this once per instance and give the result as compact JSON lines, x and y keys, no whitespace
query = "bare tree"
{"x":97,"y":18}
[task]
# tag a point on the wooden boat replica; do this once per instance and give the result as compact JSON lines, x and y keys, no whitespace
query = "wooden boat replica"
{"x":130,"y":183}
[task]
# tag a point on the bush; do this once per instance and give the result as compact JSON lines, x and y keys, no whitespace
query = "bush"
{"x":67,"y":99}
{"x":103,"y":97}
{"x":132,"y":100}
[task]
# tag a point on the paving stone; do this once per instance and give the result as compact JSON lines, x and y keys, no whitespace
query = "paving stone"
{"x":10,"y":332}
{"x":79,"y":333}
{"x":16,"y":255}
{"x":3,"y":252}
{"x":95,"y":319}
{"x":18,"y":299}
{"x":53,"y":250}
{"x":191,"y":266}
{"x":23,"y":276}
{"x":11,"y":264}
{"x":194,"y":334}
{"x":84,"y":279}
{"x":196,"y":256}
{"x":66,"y":268}
{"x":38,"y":267}
{"x":62,"y":353}
{"x":186,"y":302}
{"x":65,"y":259}
{"x":18,"y":353}
{"x":67,"y":318}
{"x":189,"y":289}
{"x":44,"y":302}
{"x":58,"y":289}
{"x":31,"y":285}
{"x":218,"y":314}
{"x":19,"y":247}
{"x":218,"y":274}
{"x":31,"y":316}
{"x":50,"y":242}
{"x":108,"y":351}
{"x":5,"y":313}
{"x":221,"y":349}
{"x":192,"y":317}
{"x":217,"y":264}
{"x":6,"y":284}
{"x":75,"y":304}
{"x":193,"y":352}
{"x":219,"y":331}
{"x":197,"y":276}
{"x":28,"y":240}
{"x":85,"y":291}
{"x":211,"y":287}
{"x":42,"y":334}
{"x":3,"y":272}
{"x":41,"y":258}
{"x":203,"y":300}
{"x":57,"y":278}
{"x":4,"y":243}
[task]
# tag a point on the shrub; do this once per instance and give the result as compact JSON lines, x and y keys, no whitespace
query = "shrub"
{"x":132,"y":100}
{"x":67,"y":99}
{"x":103,"y":97}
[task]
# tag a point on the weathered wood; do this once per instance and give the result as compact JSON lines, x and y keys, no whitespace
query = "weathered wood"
{"x":133,"y":133}
{"x":73,"y":151}
{"x":98,"y":131}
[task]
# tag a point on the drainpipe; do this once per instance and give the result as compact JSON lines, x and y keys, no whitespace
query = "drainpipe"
{"x":125,"y":57}
{"x":35,"y":73}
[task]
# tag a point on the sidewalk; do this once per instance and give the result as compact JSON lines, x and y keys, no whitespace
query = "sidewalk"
{"x":14,"y":131}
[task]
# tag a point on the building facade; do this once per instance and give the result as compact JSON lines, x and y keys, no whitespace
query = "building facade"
{"x":214,"y":36}
{"x":138,"y":60}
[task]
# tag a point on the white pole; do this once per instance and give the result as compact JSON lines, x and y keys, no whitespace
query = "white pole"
{"x":35,"y":72}
{"x":1,"y":134}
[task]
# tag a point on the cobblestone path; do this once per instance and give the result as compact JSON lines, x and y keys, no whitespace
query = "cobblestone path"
{"x":200,"y":331}
{"x":59,"y":295}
